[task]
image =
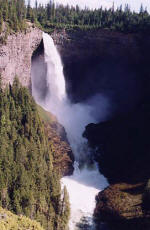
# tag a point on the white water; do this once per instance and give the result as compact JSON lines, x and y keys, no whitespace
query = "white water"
{"x":84,"y":184}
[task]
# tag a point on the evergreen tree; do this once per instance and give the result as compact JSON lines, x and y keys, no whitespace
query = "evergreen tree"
{"x":50,"y":16}
{"x":1,"y":22}
{"x":29,"y":11}
{"x":29,"y":184}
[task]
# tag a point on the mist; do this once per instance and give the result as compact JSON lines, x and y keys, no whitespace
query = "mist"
{"x":49,"y":90}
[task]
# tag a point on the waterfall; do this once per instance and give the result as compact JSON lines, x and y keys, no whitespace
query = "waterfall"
{"x":55,"y":78}
{"x":85,"y":183}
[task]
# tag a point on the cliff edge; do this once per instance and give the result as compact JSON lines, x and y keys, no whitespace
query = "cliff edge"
{"x":16,"y":53}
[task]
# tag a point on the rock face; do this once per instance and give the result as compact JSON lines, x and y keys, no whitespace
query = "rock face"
{"x":122,"y":151}
{"x":121,"y":206}
{"x":62,"y":153}
{"x":15,"y":56}
{"x":15,"y":60}
{"x":100,"y":62}
{"x":86,"y":56}
{"x":105,"y":62}
{"x":122,"y":146}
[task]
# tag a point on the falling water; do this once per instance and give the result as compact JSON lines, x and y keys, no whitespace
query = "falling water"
{"x":85,"y":183}
{"x":55,"y":78}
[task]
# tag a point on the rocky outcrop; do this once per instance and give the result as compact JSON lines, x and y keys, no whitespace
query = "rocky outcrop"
{"x":62,"y":153}
{"x":16,"y":53}
{"x":122,"y":146}
{"x":121,"y":205}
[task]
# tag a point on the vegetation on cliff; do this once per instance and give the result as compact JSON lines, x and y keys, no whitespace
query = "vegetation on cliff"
{"x":29,"y":184}
{"x":61,"y":151}
{"x":14,"y":13}
{"x":10,"y":221}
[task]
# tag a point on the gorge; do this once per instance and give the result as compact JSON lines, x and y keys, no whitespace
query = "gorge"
{"x":86,"y":181}
{"x":116,"y":97}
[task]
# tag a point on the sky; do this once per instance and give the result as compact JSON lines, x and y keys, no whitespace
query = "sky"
{"x":134,"y":4}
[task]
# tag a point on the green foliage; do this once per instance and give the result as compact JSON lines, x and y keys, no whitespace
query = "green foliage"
{"x":65,"y":209}
{"x":1,"y":21}
{"x":46,"y":116}
{"x":13,"y":13}
{"x":64,"y":16}
{"x":9,"y":221}
{"x":30,"y":13}
{"x":29,"y":184}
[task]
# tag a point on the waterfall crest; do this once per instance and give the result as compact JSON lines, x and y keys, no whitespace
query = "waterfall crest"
{"x":85,"y":183}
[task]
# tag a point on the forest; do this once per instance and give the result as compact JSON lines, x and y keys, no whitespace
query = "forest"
{"x":15,"y":13}
{"x":29,"y":184}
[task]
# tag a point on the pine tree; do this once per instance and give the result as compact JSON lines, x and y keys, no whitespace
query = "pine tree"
{"x":1,"y":22}
{"x":29,"y":11}
{"x":29,"y":184}
{"x":65,"y":209}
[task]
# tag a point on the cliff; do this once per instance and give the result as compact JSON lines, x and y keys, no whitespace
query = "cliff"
{"x":86,"y":56}
{"x":122,"y":151}
{"x":121,"y":206}
{"x":104,"y":62}
{"x":62,"y":153}
{"x":16,"y":53}
{"x":122,"y":145}
{"x":107,"y":62}
{"x":115,"y":65}
{"x":15,"y":60}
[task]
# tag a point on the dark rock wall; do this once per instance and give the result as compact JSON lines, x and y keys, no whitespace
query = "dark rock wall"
{"x":110,"y":63}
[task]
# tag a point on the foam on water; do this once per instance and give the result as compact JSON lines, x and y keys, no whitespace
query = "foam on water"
{"x":83,"y":186}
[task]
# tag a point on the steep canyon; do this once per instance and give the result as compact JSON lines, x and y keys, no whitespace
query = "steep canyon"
{"x":112,"y":64}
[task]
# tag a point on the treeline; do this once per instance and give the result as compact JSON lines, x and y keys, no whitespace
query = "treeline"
{"x":29,"y":184}
{"x":123,"y":19}
{"x":14,"y":13}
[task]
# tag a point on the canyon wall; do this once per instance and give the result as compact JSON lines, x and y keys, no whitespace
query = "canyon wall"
{"x":15,"y":60}
{"x":104,"y":61}
{"x":16,"y":53}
